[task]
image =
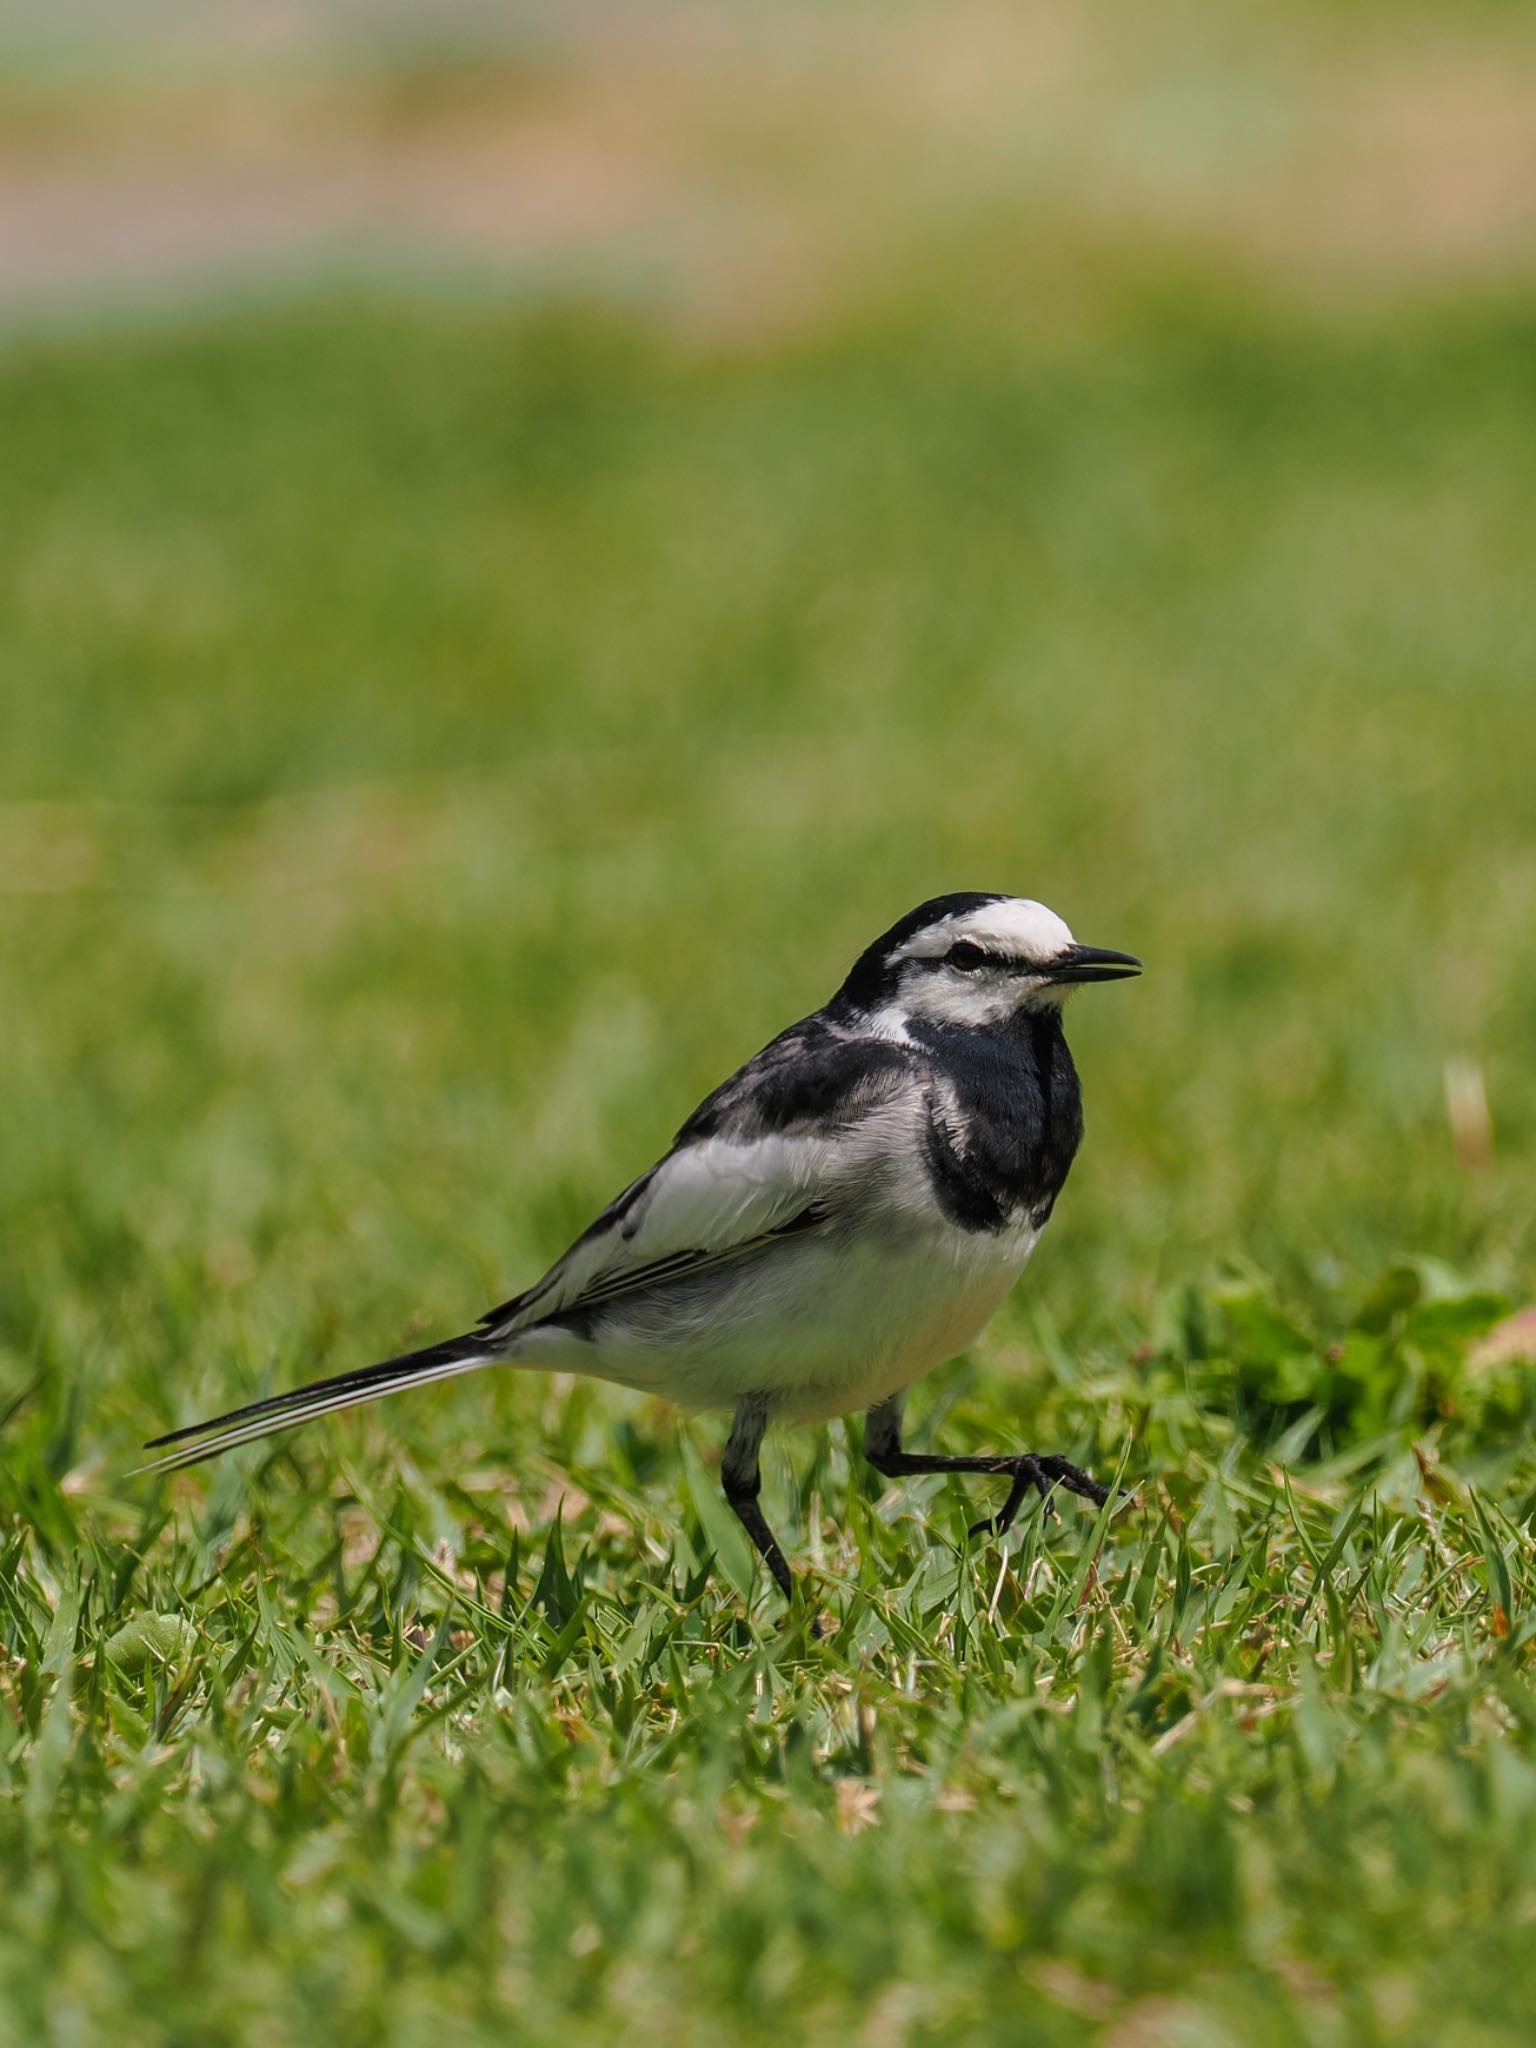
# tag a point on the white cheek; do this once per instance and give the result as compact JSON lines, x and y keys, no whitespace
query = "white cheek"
{"x":952,"y":999}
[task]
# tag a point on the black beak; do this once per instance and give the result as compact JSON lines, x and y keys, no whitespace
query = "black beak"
{"x":1093,"y":963}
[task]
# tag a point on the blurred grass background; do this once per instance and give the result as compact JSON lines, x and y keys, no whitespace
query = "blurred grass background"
{"x":529,"y":539}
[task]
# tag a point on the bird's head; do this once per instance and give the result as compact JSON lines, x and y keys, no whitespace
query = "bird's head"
{"x":973,"y":960}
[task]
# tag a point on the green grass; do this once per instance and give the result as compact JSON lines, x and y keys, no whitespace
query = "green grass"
{"x":438,"y":743}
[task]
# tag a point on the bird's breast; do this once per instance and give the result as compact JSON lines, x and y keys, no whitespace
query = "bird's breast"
{"x":903,"y":1314}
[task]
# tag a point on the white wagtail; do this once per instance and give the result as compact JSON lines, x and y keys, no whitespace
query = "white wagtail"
{"x":844,"y":1213}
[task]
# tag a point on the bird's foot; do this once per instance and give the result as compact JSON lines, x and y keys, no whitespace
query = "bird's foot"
{"x":817,"y":1625}
{"x":1034,"y":1473}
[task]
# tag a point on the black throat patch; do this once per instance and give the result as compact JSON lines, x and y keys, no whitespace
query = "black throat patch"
{"x":1002,"y":1137}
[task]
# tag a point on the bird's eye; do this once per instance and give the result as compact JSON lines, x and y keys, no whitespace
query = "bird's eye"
{"x":966,"y":955}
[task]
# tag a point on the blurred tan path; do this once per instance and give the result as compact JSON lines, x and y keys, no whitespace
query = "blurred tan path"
{"x":750,"y":170}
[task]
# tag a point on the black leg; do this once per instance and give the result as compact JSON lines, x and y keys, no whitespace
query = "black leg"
{"x":743,"y":1483}
{"x":1030,"y":1471}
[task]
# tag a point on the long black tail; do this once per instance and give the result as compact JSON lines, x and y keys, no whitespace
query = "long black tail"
{"x":202,"y":1440}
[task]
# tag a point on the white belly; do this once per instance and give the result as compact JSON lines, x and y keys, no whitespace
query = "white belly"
{"x":819,"y":1328}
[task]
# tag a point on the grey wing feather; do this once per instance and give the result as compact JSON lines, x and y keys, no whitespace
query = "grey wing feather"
{"x":766,"y":1154}
{"x":759,"y":1158}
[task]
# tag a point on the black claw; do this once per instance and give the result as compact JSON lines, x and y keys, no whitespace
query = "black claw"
{"x":1044,"y":1475}
{"x":1028,"y":1470}
{"x":816,"y":1628}
{"x":1074,"y":1479}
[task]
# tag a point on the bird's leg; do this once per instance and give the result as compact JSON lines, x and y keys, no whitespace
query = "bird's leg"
{"x":1031,"y":1471}
{"x":743,"y":1483}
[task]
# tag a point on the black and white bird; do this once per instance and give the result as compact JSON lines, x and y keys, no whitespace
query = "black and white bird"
{"x":840,"y":1216}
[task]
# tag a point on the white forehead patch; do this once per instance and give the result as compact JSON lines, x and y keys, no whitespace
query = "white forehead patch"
{"x":1015,"y":927}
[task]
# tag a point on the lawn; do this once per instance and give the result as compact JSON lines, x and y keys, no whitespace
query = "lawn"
{"x":440,"y":738}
